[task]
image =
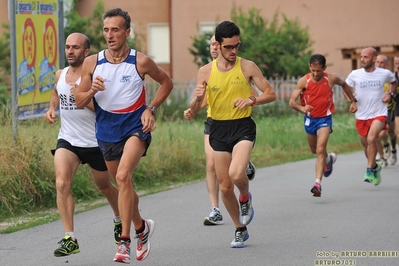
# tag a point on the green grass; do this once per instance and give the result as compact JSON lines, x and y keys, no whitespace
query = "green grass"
{"x":176,"y":156}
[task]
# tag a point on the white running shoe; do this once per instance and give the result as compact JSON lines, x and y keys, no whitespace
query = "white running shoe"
{"x":387,"y":150}
{"x":384,"y":163}
{"x":392,"y":159}
{"x":214,"y":218}
{"x":143,"y":240}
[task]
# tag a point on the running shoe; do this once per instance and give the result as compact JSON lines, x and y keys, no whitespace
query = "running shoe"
{"x":369,"y":175}
{"x":123,"y":252}
{"x":383,"y":163}
{"x":392,"y":159}
{"x":316,"y":189}
{"x":246,"y":211}
{"x":214,"y":218}
{"x":117,"y":231}
{"x":387,"y":150}
{"x":67,"y":247}
{"x":143,"y":240}
{"x":239,"y":237}
{"x":250,"y":170}
{"x":377,"y":175}
{"x":329,"y":166}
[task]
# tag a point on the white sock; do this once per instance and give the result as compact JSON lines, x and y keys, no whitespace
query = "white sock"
{"x":71,"y":234}
{"x":318,"y":181}
{"x":117,"y":219}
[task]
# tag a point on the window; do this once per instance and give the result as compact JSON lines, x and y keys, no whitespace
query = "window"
{"x":206,"y":27}
{"x":158,"y":43}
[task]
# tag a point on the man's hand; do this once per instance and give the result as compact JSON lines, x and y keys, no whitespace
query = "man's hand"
{"x":50,"y":116}
{"x":199,"y":92}
{"x":241,"y":103}
{"x":307,"y":108}
{"x":188,"y":114}
{"x":73,"y":89}
{"x":148,"y":121}
{"x":387,"y":98}
{"x":97,"y":85}
{"x":353,"y":108}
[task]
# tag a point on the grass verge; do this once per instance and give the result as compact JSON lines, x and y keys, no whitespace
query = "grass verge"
{"x":176,"y":156}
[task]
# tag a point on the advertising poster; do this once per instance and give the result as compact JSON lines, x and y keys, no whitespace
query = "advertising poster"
{"x":37,"y":55}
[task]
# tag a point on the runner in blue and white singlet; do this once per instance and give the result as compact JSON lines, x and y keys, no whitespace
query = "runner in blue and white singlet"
{"x":118,"y":110}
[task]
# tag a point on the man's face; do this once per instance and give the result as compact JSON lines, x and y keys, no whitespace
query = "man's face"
{"x":367,"y":59}
{"x":396,"y":60}
{"x":74,"y":50}
{"x":214,"y":48}
{"x":381,"y":62}
{"x":229,"y":48}
{"x":114,"y":32}
{"x":317,"y":71}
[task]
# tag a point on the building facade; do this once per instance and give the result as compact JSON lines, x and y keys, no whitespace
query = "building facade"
{"x":339,"y":28}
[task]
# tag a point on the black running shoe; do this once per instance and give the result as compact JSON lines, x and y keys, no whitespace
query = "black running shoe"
{"x":67,"y":247}
{"x":250,"y":171}
{"x":117,"y":231}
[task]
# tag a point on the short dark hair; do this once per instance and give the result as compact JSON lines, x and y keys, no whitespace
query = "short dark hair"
{"x":226,"y":29}
{"x":317,"y":59}
{"x":119,"y":12}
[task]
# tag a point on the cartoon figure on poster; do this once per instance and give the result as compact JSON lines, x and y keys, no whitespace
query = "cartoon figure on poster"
{"x":27,"y":78}
{"x":48,"y":65}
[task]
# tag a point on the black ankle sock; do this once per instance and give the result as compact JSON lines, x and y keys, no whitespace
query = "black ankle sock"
{"x":242,"y":229}
{"x":141,"y":228}
{"x":393,"y":143}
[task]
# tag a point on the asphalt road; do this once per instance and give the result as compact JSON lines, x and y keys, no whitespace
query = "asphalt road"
{"x":351,"y":223}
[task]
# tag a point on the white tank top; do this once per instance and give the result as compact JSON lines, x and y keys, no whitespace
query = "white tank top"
{"x":77,"y":125}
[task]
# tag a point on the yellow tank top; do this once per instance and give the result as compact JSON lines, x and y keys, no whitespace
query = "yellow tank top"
{"x":224,"y":88}
{"x":392,"y":104}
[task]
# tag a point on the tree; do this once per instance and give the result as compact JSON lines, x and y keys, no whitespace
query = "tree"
{"x":200,"y":49}
{"x":279,"y":49}
{"x":90,"y":26}
{"x":5,"y":65}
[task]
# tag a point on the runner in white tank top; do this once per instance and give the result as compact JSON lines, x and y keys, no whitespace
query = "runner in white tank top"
{"x":76,"y":145}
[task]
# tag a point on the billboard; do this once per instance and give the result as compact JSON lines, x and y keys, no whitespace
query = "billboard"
{"x":36,"y":33}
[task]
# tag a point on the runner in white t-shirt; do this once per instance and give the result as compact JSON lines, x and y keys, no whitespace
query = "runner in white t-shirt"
{"x":371,"y":116}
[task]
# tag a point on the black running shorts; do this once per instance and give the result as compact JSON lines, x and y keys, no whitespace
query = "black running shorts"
{"x":92,"y":156}
{"x":225,"y":134}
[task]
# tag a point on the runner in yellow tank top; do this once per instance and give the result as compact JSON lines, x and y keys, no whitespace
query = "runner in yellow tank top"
{"x":224,"y":88}
{"x":225,"y":85}
{"x":215,"y":217}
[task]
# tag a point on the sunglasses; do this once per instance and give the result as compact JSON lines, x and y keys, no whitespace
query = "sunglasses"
{"x":231,"y":47}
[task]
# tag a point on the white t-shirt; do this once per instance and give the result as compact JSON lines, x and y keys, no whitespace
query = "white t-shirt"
{"x":77,"y":125}
{"x":369,"y":90}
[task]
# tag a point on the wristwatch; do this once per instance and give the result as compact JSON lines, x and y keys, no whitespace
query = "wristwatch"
{"x":153,"y":109}
{"x":253,"y":99}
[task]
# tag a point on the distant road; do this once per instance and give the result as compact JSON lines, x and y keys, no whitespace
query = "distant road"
{"x":351,"y":224}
